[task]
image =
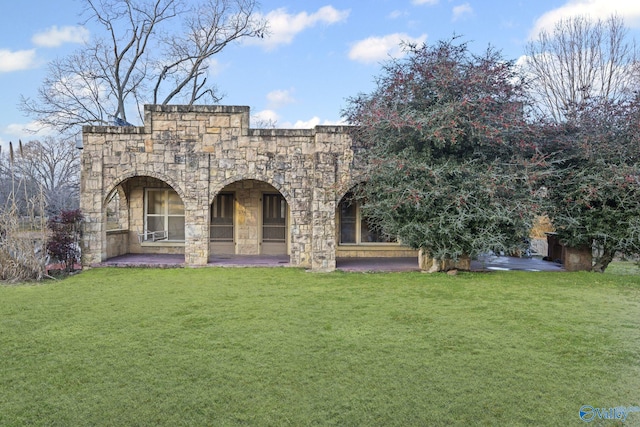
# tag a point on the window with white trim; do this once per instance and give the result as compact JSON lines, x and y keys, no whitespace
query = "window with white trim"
{"x":164,"y":211}
{"x":354,"y":227}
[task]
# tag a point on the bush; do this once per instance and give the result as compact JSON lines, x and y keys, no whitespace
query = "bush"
{"x":63,"y":244}
{"x":22,"y":254}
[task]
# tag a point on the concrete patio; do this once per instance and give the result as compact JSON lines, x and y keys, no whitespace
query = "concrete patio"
{"x":486,"y":263}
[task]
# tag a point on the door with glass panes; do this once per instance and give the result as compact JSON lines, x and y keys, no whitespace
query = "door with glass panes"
{"x":221,"y":230}
{"x":274,"y":224}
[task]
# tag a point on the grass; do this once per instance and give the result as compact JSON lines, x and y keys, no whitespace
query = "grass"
{"x":624,"y":268}
{"x":285,"y":347}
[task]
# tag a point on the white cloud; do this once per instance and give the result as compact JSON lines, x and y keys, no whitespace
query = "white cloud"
{"x":522,"y":60}
{"x":429,"y":2}
{"x":264,"y":118}
{"x":27,"y":131}
{"x":279,"y":98}
{"x":283,"y":26}
{"x":461,"y":11}
{"x":307,"y":124}
{"x":310,"y":124}
{"x":629,"y":10}
{"x":375,"y":49}
{"x":398,"y":14}
{"x":17,"y":60}
{"x":269,"y":118}
{"x":216,"y":67}
{"x":16,"y":129}
{"x":54,"y":36}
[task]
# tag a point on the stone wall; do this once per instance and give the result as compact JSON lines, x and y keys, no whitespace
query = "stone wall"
{"x":117,"y":243}
{"x":200,"y":150}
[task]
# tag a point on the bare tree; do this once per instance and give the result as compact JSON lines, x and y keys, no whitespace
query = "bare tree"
{"x":579,"y":62}
{"x":51,"y":166}
{"x":5,"y":177}
{"x":210,"y":27}
{"x":15,"y":190}
{"x":22,"y":225}
{"x":150,"y":51}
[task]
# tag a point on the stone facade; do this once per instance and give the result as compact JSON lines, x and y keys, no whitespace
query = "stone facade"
{"x":203,"y":151}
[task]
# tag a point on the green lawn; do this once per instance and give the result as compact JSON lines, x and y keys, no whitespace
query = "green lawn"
{"x":282,"y":346}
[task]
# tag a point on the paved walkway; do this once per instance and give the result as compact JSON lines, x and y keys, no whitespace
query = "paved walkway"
{"x":497,"y":263}
{"x":487,"y":263}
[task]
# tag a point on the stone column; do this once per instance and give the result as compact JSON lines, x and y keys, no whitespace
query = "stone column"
{"x":94,"y":237}
{"x":196,"y":210}
{"x":323,"y":208}
{"x":300,"y":238}
{"x":196,"y":239}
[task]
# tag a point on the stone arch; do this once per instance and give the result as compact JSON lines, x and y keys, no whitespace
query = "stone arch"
{"x":254,"y":231}
{"x":288,"y":196}
{"x":117,"y":186}
{"x":139,"y":174}
{"x":348,"y":187}
{"x":131,"y":236}
{"x":120,"y":207}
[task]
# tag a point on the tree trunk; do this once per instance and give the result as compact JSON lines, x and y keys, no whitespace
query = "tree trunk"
{"x":603,"y":261}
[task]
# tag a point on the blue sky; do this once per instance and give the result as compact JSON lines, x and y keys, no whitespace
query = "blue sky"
{"x":320,"y":52}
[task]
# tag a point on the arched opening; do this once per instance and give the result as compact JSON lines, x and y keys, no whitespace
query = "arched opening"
{"x":249,"y":217}
{"x":144,"y":215}
{"x":117,"y":207}
{"x":358,"y":238}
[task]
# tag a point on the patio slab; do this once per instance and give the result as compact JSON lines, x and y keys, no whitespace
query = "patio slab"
{"x":144,"y":260}
{"x":486,"y":263}
{"x":249,"y":261}
{"x":506,"y":263}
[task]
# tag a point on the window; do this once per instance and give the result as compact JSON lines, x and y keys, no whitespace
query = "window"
{"x":354,"y":227}
{"x":222,"y":218}
{"x":164,"y":211}
{"x":348,"y":221}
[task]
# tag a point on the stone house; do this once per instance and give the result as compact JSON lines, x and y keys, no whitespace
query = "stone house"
{"x":198,"y":181}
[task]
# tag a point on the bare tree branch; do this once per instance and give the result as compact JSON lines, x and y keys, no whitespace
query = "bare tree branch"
{"x":54,"y":165}
{"x":210,"y":27}
{"x":580,"y":61}
{"x":117,"y":71}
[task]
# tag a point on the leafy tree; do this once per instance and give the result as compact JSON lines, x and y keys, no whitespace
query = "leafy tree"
{"x":141,"y":58}
{"x":594,"y":190}
{"x":444,"y":138}
{"x":585,"y":75}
